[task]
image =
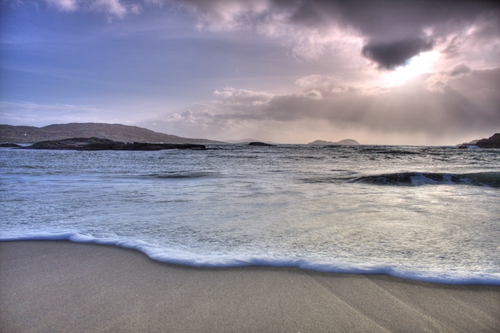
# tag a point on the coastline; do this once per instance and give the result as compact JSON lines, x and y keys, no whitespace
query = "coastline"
{"x":60,"y":286}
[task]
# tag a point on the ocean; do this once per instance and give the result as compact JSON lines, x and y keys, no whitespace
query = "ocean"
{"x":421,"y":213}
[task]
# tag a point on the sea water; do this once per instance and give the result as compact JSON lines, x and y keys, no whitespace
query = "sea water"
{"x":423,"y":213}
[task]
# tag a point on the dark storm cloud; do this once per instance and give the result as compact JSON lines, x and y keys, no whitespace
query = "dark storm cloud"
{"x":394,"y":54}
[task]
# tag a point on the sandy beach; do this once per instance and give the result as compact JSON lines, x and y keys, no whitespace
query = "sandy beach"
{"x":58,"y":286}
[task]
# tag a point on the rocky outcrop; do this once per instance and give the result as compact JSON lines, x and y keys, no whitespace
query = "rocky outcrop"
{"x":261,"y":144}
{"x":346,"y":142}
{"x":491,"y":142}
{"x":106,"y":144}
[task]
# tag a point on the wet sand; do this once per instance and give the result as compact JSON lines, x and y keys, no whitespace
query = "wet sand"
{"x":58,"y":286}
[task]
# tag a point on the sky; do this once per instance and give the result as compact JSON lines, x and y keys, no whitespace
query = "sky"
{"x":421,"y":72}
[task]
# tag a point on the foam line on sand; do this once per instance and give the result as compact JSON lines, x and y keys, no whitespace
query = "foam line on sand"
{"x":59,"y":286}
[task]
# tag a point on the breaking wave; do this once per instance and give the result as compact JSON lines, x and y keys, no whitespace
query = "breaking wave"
{"x":490,"y":179}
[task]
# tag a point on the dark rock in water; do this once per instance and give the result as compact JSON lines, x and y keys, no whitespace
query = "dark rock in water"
{"x":9,"y":145}
{"x":105,"y":144}
{"x":491,"y":142}
{"x":262,"y":144}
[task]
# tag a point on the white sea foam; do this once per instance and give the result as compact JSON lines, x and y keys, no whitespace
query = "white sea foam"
{"x":179,"y":257}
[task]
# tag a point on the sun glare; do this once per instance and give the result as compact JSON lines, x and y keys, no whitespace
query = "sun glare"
{"x":417,"y":65}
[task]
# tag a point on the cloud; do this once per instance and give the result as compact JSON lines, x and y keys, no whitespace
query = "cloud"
{"x":65,"y":5}
{"x":459,"y":70}
{"x":186,"y":114}
{"x":242,"y":97}
{"x":226,"y":15}
{"x":116,"y":8}
{"x":319,"y":81}
{"x":437,"y":82}
{"x":452,"y":49}
{"x":395,"y":54}
{"x":313,"y":94}
{"x":231,"y":108}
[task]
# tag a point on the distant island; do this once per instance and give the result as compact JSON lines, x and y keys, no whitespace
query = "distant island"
{"x":346,"y":142}
{"x":114,"y":132}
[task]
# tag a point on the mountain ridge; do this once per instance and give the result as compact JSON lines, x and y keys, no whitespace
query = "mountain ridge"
{"x":115,"y":132}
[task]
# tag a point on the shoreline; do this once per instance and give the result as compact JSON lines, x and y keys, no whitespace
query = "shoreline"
{"x":62,"y":286}
{"x":75,"y":238}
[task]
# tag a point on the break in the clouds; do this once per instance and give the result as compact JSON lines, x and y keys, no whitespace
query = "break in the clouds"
{"x":380,"y":71}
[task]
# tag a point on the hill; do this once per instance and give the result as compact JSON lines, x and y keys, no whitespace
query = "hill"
{"x":346,"y":142}
{"x":115,"y":132}
{"x":491,"y":142}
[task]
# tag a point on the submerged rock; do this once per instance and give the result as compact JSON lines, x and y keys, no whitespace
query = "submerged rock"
{"x":106,"y":144}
